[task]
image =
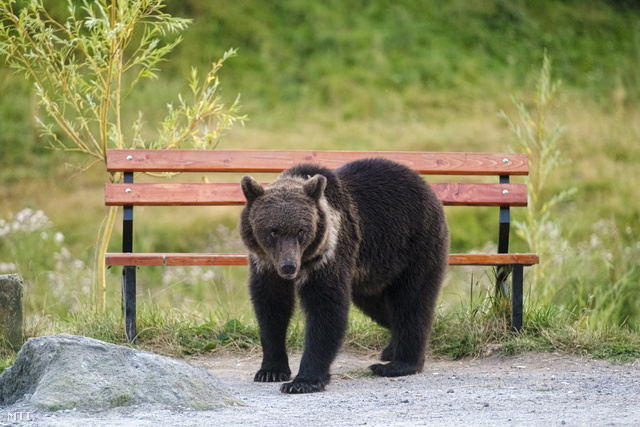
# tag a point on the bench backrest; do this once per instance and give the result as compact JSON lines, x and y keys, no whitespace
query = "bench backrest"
{"x":502,"y":193}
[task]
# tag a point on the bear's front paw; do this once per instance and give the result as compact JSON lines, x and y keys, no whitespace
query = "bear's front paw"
{"x":270,"y":376}
{"x":304,"y":386}
{"x":394,"y":369}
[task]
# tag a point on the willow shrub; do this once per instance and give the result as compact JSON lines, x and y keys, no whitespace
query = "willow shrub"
{"x":84,"y":68}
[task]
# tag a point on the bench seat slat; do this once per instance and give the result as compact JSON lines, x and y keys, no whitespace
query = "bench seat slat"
{"x":171,"y":194}
{"x":173,"y":259}
{"x":249,"y":161}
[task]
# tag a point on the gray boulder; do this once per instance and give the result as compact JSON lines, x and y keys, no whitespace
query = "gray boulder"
{"x":73,"y":372}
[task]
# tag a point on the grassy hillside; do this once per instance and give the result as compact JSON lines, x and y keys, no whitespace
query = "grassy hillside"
{"x":391,"y":58}
{"x":415,"y":75}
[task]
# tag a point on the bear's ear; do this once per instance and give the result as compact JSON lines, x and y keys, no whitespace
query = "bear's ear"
{"x":315,"y":186}
{"x":251,"y":188}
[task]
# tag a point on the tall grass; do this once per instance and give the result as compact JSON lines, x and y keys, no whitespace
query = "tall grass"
{"x":595,"y":280}
{"x":600,"y":280}
{"x":539,"y":134}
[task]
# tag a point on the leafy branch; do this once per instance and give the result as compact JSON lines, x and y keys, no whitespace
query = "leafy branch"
{"x":79,"y":66}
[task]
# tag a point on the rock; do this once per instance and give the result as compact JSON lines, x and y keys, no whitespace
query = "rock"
{"x":72,"y":372}
{"x":11,"y":309}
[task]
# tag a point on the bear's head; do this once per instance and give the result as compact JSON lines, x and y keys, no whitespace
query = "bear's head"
{"x":284,"y":224}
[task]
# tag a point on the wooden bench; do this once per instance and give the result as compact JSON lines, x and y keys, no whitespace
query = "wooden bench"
{"x":502,"y":194}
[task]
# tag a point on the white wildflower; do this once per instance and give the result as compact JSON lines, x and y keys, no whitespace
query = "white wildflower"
{"x":8,"y":267}
{"x":5,"y":228}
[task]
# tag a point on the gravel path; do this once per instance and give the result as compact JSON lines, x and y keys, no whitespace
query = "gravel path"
{"x":528,"y":390}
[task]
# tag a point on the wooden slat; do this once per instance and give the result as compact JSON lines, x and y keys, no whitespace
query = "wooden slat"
{"x":174,"y":259}
{"x":493,"y":259}
{"x":171,"y":194}
{"x":277,"y":161}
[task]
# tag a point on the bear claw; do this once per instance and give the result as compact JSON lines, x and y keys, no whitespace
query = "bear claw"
{"x":265,"y":376}
{"x":394,"y":369}
{"x":301,"y":386}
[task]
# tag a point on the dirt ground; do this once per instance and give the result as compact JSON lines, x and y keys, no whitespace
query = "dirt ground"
{"x":535,"y":389}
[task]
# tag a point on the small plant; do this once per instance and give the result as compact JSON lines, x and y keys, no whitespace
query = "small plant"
{"x":538,"y":134}
{"x":84,"y":69}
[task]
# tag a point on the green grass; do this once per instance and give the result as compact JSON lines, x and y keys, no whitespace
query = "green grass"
{"x":467,"y":331}
{"x":400,"y":75}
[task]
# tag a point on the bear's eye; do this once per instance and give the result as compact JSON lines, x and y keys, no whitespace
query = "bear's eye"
{"x":301,"y":233}
{"x":274,"y":232}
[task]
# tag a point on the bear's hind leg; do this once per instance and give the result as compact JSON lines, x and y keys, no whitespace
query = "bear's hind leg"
{"x":377,"y":308}
{"x":411,"y":317}
{"x":389,"y":352}
{"x":374,"y":306}
{"x":405,"y":354}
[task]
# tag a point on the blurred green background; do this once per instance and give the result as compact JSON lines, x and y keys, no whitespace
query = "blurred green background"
{"x":359,"y":75}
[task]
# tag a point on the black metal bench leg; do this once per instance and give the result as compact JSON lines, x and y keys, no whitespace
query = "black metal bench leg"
{"x":129,"y":301}
{"x":128,"y":272}
{"x":516,"y":297}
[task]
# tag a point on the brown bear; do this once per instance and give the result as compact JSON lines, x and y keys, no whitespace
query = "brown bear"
{"x":372,"y":232}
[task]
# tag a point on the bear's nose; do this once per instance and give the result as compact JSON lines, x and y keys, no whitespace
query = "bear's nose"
{"x":288,"y":268}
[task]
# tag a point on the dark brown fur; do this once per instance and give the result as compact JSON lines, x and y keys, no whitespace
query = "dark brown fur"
{"x":372,"y":232}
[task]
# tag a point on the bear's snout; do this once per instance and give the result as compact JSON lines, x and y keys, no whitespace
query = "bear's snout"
{"x":287,"y":257}
{"x":288,"y":269}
